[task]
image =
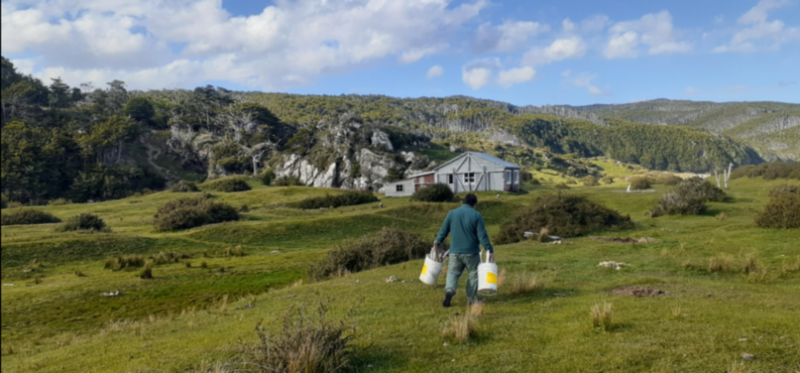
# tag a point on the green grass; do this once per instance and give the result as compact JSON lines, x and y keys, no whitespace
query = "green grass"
{"x":55,"y":320}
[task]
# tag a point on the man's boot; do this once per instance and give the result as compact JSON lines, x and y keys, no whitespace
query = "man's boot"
{"x":447,"y":297}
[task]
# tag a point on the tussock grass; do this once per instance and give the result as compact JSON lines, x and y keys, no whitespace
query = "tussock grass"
{"x":722,"y":263}
{"x":601,"y":316}
{"x":677,"y":313}
{"x":461,"y":328}
{"x":527,"y":283}
{"x":306,"y":343}
{"x":167,"y":257}
{"x":121,"y":262}
{"x":146,"y":273}
{"x":789,"y":267}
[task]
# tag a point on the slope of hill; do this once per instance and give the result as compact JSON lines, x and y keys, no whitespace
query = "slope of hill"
{"x":762,"y":125}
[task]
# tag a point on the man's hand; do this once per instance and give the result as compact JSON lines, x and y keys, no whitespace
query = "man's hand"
{"x":491,"y":257}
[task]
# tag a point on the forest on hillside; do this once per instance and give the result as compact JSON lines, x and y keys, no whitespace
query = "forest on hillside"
{"x":90,"y":143}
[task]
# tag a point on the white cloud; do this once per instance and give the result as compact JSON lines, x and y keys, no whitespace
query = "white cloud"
{"x":654,"y":30}
{"x":567,"y":25}
{"x":594,"y":23}
{"x":758,"y":14}
{"x":585,"y":81}
{"x":759,"y":33}
{"x":518,"y":75}
{"x":478,"y":73}
{"x":560,"y":49}
{"x":287,"y":44}
{"x":434,"y":72}
{"x":510,"y":36}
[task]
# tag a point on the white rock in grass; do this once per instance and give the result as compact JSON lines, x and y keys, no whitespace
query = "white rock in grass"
{"x":392,"y":279}
{"x":748,"y":357}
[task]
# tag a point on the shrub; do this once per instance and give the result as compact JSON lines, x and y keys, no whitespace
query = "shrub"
{"x":562,"y":215}
{"x":640,"y":183}
{"x":769,"y":171}
{"x":121,"y":262}
{"x":193,"y":212}
{"x":147,"y":273}
{"x":350,"y":198}
{"x":28,"y":217}
{"x":572,"y":182}
{"x":388,"y":246}
{"x":784,"y":189}
{"x":103,"y":183}
{"x":305,"y":343}
{"x":608,"y":180}
{"x":84,"y":222}
{"x":228,"y":185}
{"x":184,"y":186}
{"x":288,"y":181}
{"x":688,"y":198}
{"x":668,"y":179}
{"x":267,"y":177}
{"x":3,"y":201}
{"x":782,"y":211}
{"x":590,"y":181}
{"x":562,"y":186}
{"x":434,"y":193}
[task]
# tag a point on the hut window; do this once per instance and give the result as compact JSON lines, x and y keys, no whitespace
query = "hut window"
{"x":469,"y":177}
{"x":399,"y":187}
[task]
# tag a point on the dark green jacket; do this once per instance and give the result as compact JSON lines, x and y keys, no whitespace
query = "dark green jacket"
{"x":468,"y":231}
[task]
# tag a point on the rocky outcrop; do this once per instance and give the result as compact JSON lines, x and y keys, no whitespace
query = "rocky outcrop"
{"x":381,"y":140}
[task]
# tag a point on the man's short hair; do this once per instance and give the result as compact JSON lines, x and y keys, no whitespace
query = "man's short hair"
{"x":471,"y":200}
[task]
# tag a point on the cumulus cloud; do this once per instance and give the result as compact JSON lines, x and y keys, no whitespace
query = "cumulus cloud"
{"x":434,"y":72}
{"x":513,"y":76}
{"x":560,"y":49}
{"x":758,"y":33}
{"x":654,"y":30}
{"x":287,"y":44}
{"x":478,"y":73}
{"x":510,"y":36}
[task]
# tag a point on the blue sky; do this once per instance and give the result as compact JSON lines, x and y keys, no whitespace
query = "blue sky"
{"x":523,"y":52}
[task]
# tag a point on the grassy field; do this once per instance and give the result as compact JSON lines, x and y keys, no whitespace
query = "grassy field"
{"x":191,"y":317}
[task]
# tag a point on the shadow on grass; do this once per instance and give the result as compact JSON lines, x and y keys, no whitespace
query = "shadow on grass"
{"x":372,"y":358}
{"x":538,"y":295}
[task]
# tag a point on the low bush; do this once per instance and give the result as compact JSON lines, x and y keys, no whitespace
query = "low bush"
{"x":28,"y":217}
{"x":3,"y":201}
{"x":784,"y":189}
{"x":590,"y":181}
{"x":84,"y":222}
{"x":668,"y":179}
{"x":769,"y":171}
{"x":640,"y":183}
{"x":350,"y":198}
{"x":59,"y":202}
{"x":562,"y":186}
{"x":306,"y":342}
{"x":193,"y":212}
{"x":184,"y":186}
{"x":572,"y":182}
{"x":434,"y":193}
{"x":267,"y":177}
{"x":782,"y":211}
{"x":121,"y":262}
{"x":562,"y":215}
{"x":288,"y":181}
{"x":608,"y":180}
{"x":688,"y":198}
{"x":228,"y":185}
{"x":388,"y":246}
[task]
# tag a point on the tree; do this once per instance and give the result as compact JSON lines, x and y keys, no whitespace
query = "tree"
{"x":105,"y":136}
{"x":140,"y":109}
{"x":60,"y":95}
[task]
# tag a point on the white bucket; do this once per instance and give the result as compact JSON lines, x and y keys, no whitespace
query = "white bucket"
{"x":430,"y":271}
{"x":487,"y":277}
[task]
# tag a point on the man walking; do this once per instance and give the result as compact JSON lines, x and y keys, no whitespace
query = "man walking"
{"x":468,"y":232}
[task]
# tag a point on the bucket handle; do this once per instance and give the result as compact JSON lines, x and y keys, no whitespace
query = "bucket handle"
{"x":487,"y":256}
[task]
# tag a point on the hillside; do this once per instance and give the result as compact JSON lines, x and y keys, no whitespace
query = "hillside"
{"x":770,"y":127}
{"x":197,"y":313}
